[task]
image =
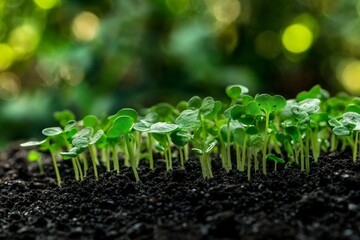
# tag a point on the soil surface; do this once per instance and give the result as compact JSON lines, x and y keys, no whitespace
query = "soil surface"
{"x":284,"y":204}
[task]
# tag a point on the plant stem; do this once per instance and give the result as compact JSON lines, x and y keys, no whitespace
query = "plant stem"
{"x":151,"y":158}
{"x":181,"y":155}
{"x":355,"y":145}
{"x":106,"y":158}
{"x":79,"y":168}
{"x":248,"y":165}
{"x":93,"y":155}
{"x":131,"y":156}
{"x":267,"y":115}
{"x":238,"y":157}
{"x":302,"y":156}
{"x":115,"y":158}
{"x":243,"y":153}
{"x":228,"y":145}
{"x":307,"y":152}
{"x":85,"y":162}
{"x":58,"y":178}
{"x":76,"y":172}
{"x":169,"y":151}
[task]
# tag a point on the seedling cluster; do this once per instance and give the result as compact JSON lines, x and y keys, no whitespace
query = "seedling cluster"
{"x":245,"y":132}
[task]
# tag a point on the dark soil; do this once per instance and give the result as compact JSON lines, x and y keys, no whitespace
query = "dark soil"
{"x":286,"y":204}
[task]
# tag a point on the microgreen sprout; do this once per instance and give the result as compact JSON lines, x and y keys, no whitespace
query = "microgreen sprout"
{"x":248,"y":129}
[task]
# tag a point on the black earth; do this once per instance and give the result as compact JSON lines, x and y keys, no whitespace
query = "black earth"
{"x":284,"y":204}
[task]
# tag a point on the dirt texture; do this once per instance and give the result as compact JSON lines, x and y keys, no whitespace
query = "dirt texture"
{"x":284,"y":204}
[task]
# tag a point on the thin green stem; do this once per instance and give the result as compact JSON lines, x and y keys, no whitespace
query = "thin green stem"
{"x":307,"y":152}
{"x":151,"y":158}
{"x":131,"y":156}
{"x":115,"y":158}
{"x":58,"y":178}
{"x":93,"y":155}
{"x":248,"y":165}
{"x":356,"y":145}
{"x":228,"y":148}
{"x":267,"y":115}
{"x":79,"y":168}
{"x":181,"y":155}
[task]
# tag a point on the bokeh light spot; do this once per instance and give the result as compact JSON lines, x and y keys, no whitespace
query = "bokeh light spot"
{"x":46,"y":4}
{"x":6,"y":57}
{"x":350,"y":77}
{"x":24,"y":40}
{"x":177,"y":6}
{"x":85,"y":26}
{"x":9,"y":86}
{"x":297,"y":38}
{"x":73,"y":75}
{"x":225,"y":11}
{"x":267,"y":44}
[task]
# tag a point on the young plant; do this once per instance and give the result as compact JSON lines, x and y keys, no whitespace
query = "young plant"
{"x":268,"y":104}
{"x":348,"y":126}
{"x":122,"y":127}
{"x":302,"y":112}
{"x":45,"y":145}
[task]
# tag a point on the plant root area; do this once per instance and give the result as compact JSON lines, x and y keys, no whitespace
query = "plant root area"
{"x":180,"y":204}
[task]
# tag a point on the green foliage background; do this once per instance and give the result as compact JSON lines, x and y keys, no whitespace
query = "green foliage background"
{"x":144,"y":52}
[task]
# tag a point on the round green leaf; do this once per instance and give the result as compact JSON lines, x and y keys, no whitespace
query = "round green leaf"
{"x":163,"y":127}
{"x":180,"y":137}
{"x":81,"y":142}
{"x":235,"y":91}
{"x":270,"y":103}
{"x":90,"y":121}
{"x":188,"y":119}
{"x":122,"y":125}
{"x":334,"y":123}
{"x":352,"y":108}
{"x":52,"y":131}
{"x":194,"y":102}
{"x":252,"y":108}
{"x":239,"y":136}
{"x":142,"y":126}
{"x":341,"y":131}
{"x":207,"y":106}
{"x":85,"y":133}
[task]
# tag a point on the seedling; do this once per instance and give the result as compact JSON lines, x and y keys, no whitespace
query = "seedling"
{"x":122,"y":127}
{"x":268,"y":104}
{"x":44,"y":145}
{"x":265,"y":127}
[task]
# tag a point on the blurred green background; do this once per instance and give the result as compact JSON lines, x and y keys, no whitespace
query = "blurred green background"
{"x":98,"y":56}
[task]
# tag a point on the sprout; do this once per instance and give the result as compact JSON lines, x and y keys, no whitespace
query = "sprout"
{"x":268,"y":104}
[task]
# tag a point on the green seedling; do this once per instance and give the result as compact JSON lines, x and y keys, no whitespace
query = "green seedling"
{"x":181,"y":139}
{"x":262,"y":128}
{"x":45,"y":145}
{"x":302,"y":112}
{"x":268,"y":104}
{"x":349,"y":126}
{"x":275,"y":159}
{"x":161,"y":132}
{"x":122,"y":127}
